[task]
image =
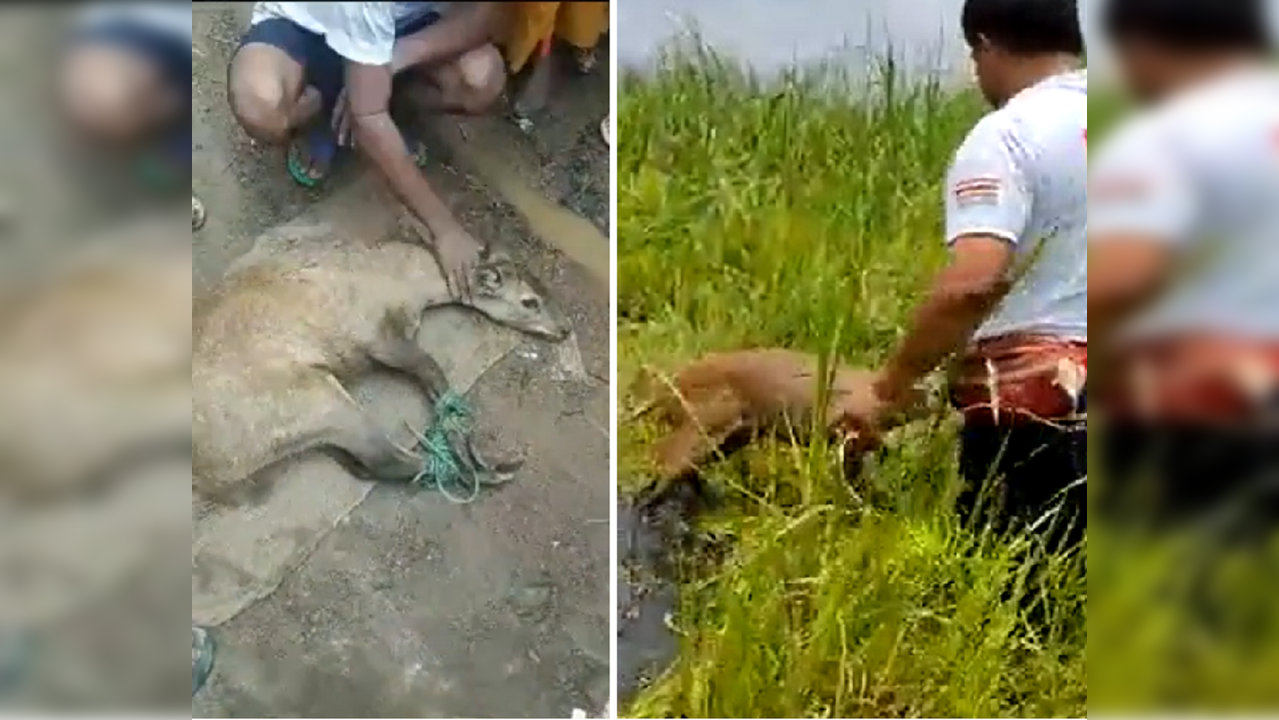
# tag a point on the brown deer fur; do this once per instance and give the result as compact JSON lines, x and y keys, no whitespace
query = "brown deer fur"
{"x":730,"y":394}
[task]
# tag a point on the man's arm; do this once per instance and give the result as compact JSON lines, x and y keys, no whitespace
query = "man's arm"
{"x":368,"y":89}
{"x":962,"y":296}
{"x":365,"y":37}
{"x":1141,"y":210}
{"x":464,"y":27}
{"x":987,"y":209}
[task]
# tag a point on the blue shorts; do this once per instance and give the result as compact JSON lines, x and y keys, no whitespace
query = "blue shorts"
{"x":170,"y":54}
{"x":323,"y":68}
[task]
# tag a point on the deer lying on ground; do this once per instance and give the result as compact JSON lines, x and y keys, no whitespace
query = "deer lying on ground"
{"x":95,"y":366}
{"x":737,"y":395}
{"x":279,"y":339}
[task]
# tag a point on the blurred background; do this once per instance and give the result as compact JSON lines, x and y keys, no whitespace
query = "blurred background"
{"x":94,"y":347}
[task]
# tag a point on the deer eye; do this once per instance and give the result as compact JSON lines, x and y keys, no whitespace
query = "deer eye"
{"x":531,"y":303}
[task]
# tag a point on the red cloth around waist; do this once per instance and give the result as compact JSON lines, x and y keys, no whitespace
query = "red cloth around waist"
{"x":1194,"y":379}
{"x":1020,"y":378}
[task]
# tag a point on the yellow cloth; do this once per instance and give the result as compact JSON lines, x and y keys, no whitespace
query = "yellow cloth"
{"x":580,"y":24}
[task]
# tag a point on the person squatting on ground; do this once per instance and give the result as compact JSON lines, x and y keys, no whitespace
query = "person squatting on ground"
{"x":1012,"y":303}
{"x":124,"y":85}
{"x":318,"y":76}
{"x":1184,"y":218}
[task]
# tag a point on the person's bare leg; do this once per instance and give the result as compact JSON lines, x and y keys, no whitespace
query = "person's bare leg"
{"x":114,"y":98}
{"x":267,"y":95}
{"x":469,"y":85}
{"x":271,"y":101}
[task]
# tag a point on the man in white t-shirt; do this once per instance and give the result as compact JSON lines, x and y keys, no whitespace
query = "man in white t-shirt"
{"x":1184,"y":242}
{"x":317,"y":76}
{"x":125,"y":84}
{"x":1012,"y":304}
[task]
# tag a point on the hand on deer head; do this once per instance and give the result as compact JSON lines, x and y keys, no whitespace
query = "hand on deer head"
{"x":871,"y":406}
{"x":458,"y":253}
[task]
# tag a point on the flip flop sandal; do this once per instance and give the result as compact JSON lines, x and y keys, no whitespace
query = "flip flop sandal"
{"x":8,"y":212}
{"x":163,"y":167}
{"x":198,"y":215}
{"x":15,"y":656}
{"x":203,"y":649}
{"x":585,"y":60}
{"x":322,"y":145}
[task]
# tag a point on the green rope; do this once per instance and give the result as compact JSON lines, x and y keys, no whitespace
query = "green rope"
{"x":444,"y":468}
{"x":203,"y":649}
{"x":158,"y":167}
{"x":155,"y":175}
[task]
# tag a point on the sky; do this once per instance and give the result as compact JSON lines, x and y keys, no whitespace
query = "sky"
{"x":770,"y":34}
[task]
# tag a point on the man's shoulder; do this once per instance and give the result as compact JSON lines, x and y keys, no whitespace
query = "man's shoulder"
{"x":1193,"y":120}
{"x":1203,"y":115}
{"x":1061,"y":101}
{"x":994,"y":128}
{"x":1008,"y":129}
{"x":1141,"y":127}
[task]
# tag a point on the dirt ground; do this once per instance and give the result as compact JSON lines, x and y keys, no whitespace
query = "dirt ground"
{"x":415,"y":607}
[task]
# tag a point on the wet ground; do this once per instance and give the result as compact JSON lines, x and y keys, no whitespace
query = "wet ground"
{"x":415,"y":607}
{"x":412,"y":607}
{"x":55,"y":199}
{"x":651,"y":535}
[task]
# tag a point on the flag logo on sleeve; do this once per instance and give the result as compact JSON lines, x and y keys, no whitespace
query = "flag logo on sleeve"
{"x":977,"y":191}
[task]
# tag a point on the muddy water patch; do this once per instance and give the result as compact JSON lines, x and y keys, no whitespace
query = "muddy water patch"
{"x":573,"y":235}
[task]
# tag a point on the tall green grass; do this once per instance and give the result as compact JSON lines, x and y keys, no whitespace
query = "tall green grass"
{"x":795,"y":214}
{"x":1149,"y":598}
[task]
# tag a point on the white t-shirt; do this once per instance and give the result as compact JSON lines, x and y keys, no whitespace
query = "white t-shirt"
{"x":1022,"y":175}
{"x":169,"y":18}
{"x":1201,"y":173}
{"x":362,"y":32}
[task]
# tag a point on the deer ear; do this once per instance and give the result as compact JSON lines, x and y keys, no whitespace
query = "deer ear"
{"x":488,"y":278}
{"x":498,"y":256}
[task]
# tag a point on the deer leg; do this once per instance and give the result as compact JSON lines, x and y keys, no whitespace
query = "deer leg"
{"x":348,"y":428}
{"x":317,"y":413}
{"x":700,"y":434}
{"x":494,"y":466}
{"x":405,"y":355}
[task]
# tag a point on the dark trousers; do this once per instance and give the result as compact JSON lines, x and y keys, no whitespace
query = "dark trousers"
{"x":1222,"y":484}
{"x":1026,"y":477}
{"x":1030,"y":477}
{"x":1180,"y":475}
{"x":323,"y":68}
